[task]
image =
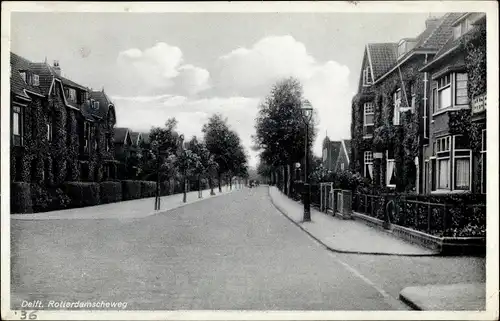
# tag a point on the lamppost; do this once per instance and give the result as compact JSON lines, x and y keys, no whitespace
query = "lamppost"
{"x":307,"y":111}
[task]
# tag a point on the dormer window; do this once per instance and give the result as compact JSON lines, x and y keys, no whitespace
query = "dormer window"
{"x":461,"y":28}
{"x":23,"y":75}
{"x":72,"y":94}
{"x":367,"y":79}
{"x":401,"y":48}
{"x":36,"y":80}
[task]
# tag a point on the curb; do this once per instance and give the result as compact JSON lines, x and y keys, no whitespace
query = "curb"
{"x":339,"y":250}
{"x":409,"y":302}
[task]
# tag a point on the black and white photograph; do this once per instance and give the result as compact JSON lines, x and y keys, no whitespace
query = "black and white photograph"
{"x":253,"y":160}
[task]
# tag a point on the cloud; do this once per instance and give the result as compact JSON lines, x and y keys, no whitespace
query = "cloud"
{"x":159,"y":69}
{"x":141,"y":113}
{"x":252,"y":72}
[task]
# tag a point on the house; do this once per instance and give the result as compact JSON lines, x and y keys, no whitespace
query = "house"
{"x":390,"y":113}
{"x":455,"y":157}
{"x":343,"y":158}
{"x":331,"y":150}
{"x":58,"y":130}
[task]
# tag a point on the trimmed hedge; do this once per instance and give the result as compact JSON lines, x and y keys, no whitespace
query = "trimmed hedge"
{"x":111,"y":191}
{"x":148,"y":189}
{"x":131,"y":190}
{"x":20,"y":200}
{"x":83,"y":193}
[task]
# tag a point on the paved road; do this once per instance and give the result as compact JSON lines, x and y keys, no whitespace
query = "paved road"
{"x":232,"y":252}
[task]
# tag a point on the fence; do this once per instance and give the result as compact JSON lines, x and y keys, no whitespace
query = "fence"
{"x":436,"y":218}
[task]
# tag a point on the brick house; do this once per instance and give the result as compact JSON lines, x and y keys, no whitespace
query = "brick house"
{"x":331,"y":151}
{"x":58,"y":131}
{"x":343,"y":158}
{"x":390,"y":113}
{"x":455,"y":158}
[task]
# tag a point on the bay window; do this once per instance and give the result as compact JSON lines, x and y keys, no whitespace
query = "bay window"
{"x":368,"y":167}
{"x":442,"y":149}
{"x":450,"y":91}
{"x":390,"y":177}
{"x":368,"y":118}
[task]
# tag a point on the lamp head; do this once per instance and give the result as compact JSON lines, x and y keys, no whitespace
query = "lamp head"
{"x":307,"y":111}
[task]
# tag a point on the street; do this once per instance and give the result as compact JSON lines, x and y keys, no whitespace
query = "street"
{"x":232,"y":252}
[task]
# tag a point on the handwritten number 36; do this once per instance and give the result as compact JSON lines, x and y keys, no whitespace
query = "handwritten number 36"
{"x":30,"y":315}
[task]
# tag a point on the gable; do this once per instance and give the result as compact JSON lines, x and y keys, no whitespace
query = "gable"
{"x":365,"y":64}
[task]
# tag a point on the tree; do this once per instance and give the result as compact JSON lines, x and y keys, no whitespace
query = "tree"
{"x":225,"y":147}
{"x":187,"y":163}
{"x":280,"y":129}
{"x":158,"y":159}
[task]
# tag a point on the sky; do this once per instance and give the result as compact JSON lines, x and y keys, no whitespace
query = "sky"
{"x":190,"y":65}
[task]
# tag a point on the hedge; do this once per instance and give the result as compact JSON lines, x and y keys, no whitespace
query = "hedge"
{"x":83,"y":193}
{"x":20,"y":201}
{"x":111,"y":191}
{"x":131,"y":190}
{"x":148,"y":189}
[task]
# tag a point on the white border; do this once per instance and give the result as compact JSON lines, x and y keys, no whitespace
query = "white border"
{"x":491,"y":7}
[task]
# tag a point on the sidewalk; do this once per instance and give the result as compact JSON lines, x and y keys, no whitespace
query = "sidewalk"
{"x":124,"y":210}
{"x":346,"y":236}
{"x":452,"y":297}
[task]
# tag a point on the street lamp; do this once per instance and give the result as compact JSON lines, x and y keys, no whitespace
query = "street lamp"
{"x":307,"y":112}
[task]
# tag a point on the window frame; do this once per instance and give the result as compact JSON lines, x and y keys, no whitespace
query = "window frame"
{"x":460,"y":155}
{"x":36,"y":80}
{"x":367,"y":161}
{"x":387,"y":177}
{"x":455,"y":88}
{"x":368,"y":110}
{"x":483,"y":161}
{"x":397,"y":96}
{"x":19,"y":111}
{"x":367,"y":81}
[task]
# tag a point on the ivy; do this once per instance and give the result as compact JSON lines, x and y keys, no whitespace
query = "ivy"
{"x":474,"y":46}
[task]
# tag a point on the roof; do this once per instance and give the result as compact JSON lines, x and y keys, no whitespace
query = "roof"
{"x":335,"y":148}
{"x":449,"y":46}
{"x":134,"y":137}
{"x":120,"y":134}
{"x":382,"y":56}
{"x":104,"y":103}
{"x":439,"y":33}
{"x":145,"y":137}
{"x":18,"y":85}
{"x":46,"y":75}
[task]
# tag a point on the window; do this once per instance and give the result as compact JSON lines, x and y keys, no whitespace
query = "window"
{"x":368,"y":170}
{"x":442,"y":144}
{"x":36,"y":80}
{"x":483,"y":162}
{"x":397,"y":105}
{"x":341,"y":166}
{"x":402,"y":48}
{"x":17,"y":125}
{"x":368,"y":114}
{"x":367,"y":80}
{"x":96,"y":105}
{"x":462,"y":156}
{"x":444,"y":173}
{"x":86,"y":136}
{"x":23,"y":75}
{"x":390,"y":178}
{"x":444,"y":92}
{"x":461,"y":97}
{"x":461,"y":28}
{"x":72,"y":94}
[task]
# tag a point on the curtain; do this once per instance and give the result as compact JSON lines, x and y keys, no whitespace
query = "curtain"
{"x":370,"y":170}
{"x":390,"y":171}
{"x":444,"y":174}
{"x":462,"y":173}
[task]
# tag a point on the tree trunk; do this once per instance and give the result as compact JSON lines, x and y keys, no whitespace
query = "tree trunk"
{"x":230,"y":182}
{"x":200,"y":194}
{"x":285,"y":179}
{"x":219,"y":178}
{"x":211,"y":184}
{"x":184,"y":198}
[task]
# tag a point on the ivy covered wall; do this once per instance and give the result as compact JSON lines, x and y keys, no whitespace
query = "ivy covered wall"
{"x":405,"y":139}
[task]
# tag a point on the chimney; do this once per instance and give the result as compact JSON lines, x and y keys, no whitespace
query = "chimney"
{"x":57,"y":68}
{"x":431,"y":22}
